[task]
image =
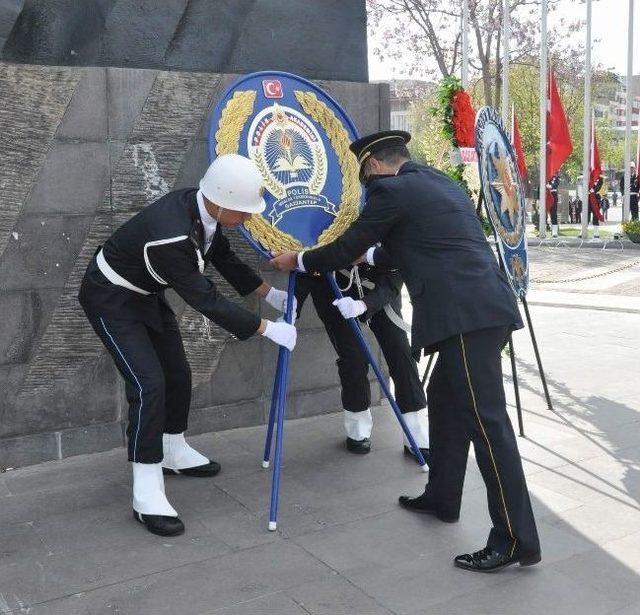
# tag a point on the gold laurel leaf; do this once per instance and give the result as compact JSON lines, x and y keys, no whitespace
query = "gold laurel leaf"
{"x":232,"y":120}
{"x":350,"y":198}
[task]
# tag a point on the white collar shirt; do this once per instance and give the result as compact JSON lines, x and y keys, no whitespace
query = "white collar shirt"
{"x":209,"y":223}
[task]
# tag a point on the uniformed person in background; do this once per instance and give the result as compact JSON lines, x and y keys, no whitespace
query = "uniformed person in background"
{"x":573,"y":209}
{"x":635,"y":193}
{"x":635,"y":189}
{"x":167,"y":245}
{"x":464,"y":309}
{"x":595,"y":200}
{"x":552,"y":187}
{"x":578,"y":209}
{"x":374,"y":297}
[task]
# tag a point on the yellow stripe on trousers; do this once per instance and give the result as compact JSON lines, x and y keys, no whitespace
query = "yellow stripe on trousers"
{"x":484,"y":433}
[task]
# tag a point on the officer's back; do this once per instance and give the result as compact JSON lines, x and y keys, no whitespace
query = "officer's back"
{"x":451,"y":273}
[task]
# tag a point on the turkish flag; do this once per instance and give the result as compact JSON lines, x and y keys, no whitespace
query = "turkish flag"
{"x":272,"y":88}
{"x":559,"y":146}
{"x":516,"y":141}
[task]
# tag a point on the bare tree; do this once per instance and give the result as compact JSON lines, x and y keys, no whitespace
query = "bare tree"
{"x":425,"y":37}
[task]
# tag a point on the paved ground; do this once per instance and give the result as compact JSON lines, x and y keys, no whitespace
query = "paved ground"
{"x":68,"y":545}
{"x":610,"y":226}
{"x":585,"y":270}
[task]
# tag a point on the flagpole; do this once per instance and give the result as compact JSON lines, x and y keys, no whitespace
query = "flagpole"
{"x":544,"y":78}
{"x":586,"y":150}
{"x":465,"y":43}
{"x":627,"y":119}
{"x":506,"y":24}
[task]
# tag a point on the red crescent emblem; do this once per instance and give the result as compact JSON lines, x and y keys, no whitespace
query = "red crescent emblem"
{"x":272,"y":88}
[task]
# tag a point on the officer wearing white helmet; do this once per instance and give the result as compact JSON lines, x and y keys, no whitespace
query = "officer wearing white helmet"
{"x":167,"y":245}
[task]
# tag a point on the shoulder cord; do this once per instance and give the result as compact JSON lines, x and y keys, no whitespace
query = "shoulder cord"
{"x":354,"y":276}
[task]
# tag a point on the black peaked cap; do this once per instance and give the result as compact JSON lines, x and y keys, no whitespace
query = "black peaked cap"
{"x":370,"y":144}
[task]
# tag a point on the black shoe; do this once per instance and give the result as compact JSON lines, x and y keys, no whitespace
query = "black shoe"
{"x":359,"y":447}
{"x":160,"y":524}
{"x":488,"y":560}
{"x":424,"y":506}
{"x":425,"y":453}
{"x":208,"y":469}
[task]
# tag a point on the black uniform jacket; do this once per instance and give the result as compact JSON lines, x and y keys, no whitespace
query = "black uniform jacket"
{"x":428,"y":226}
{"x":162,"y":247}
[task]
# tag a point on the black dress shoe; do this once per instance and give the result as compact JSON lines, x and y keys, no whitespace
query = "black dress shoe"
{"x":425,"y":453}
{"x":208,"y":469}
{"x":488,"y":560}
{"x":359,"y":447}
{"x":160,"y":524}
{"x":424,"y":506}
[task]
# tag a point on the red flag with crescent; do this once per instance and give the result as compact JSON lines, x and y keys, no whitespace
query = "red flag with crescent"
{"x":559,"y":146}
{"x":516,"y":141}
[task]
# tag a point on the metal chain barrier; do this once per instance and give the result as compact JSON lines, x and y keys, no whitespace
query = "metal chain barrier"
{"x":587,"y":277}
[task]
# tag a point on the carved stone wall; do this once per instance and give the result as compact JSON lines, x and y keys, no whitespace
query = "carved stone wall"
{"x":82,"y":150}
{"x":320,"y":39}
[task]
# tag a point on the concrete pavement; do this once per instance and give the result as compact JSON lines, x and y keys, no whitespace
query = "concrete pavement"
{"x":68,"y":543}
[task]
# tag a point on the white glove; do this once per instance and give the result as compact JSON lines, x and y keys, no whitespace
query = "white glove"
{"x":278,"y":299}
{"x":281,"y":333}
{"x":350,"y":308}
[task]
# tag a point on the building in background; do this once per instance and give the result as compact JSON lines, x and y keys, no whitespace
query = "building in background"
{"x":403,"y":93}
{"x":617,"y":107}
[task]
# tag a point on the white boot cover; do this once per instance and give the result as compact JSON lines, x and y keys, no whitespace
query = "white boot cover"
{"x":554,"y":230}
{"x":178,"y":455}
{"x":358,"y":425}
{"x":148,"y":490}
{"x":418,"y":425}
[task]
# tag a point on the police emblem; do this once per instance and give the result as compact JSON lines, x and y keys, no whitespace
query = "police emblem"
{"x":299,"y":139}
{"x":503,"y":195}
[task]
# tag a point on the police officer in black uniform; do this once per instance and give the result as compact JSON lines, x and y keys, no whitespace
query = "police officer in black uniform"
{"x":167,"y":245}
{"x":463,"y":308}
{"x":634,"y":195}
{"x":552,"y":187}
{"x":592,"y":215}
{"x":373,"y":294}
{"x":634,"y":180}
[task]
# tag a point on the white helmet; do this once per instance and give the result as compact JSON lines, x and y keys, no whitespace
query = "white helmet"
{"x":233,"y":182}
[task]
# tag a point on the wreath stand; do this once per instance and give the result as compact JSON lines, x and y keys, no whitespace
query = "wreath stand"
{"x":534,"y":342}
{"x":278,"y":408}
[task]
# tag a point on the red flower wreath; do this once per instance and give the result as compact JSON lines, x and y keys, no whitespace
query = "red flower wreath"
{"x":463,"y":120}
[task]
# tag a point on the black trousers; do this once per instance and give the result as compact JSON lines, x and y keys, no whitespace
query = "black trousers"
{"x":553,"y":210}
{"x":467,"y":404}
{"x":157,"y":378}
{"x":353,"y":367}
{"x":633,"y":206}
{"x":591,"y":217}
